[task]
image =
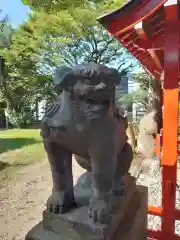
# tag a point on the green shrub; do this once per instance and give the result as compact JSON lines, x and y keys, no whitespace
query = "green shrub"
{"x":20,"y":119}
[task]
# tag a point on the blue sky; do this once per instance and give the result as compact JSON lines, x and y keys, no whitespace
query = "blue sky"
{"x":16,"y":11}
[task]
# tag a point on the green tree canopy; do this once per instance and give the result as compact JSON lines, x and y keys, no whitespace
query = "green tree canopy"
{"x":71,"y":35}
{"x":56,"y":32}
{"x":59,"y":5}
{"x":70,"y":16}
{"x":19,"y":75}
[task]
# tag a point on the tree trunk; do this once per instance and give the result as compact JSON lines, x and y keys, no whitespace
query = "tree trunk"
{"x":37,"y":109}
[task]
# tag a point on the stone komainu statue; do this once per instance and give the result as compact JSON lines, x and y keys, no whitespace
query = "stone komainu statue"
{"x":79,"y":122}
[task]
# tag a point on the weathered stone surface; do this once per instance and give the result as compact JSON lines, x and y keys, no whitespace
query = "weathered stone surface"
{"x":136,"y":166}
{"x":78,"y":223}
{"x":83,"y":189}
{"x":148,"y":128}
{"x":151,"y":124}
{"x":132,"y":225}
{"x":82,"y":120}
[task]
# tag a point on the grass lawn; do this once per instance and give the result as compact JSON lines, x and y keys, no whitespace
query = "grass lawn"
{"x":18,"y":148}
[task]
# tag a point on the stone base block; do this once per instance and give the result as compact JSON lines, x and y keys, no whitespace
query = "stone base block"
{"x":128,"y":223}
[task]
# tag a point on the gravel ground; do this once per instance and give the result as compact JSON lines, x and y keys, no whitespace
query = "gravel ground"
{"x":151,"y":178}
{"x":23,"y":199}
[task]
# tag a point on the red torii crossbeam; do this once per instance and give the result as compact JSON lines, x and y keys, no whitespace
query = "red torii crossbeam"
{"x":150,"y":30}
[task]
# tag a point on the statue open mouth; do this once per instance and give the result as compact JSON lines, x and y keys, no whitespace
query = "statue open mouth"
{"x":93,"y":108}
{"x":91,"y":101}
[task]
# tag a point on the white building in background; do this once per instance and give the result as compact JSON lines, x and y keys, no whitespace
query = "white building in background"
{"x":41,"y":109}
{"x":127,"y":85}
{"x":122,"y":89}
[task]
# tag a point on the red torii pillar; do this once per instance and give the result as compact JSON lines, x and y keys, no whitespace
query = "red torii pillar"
{"x":168,"y":212}
{"x":171,"y":44}
{"x":170,"y":118}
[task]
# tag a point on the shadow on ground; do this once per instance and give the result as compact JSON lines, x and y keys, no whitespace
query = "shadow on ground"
{"x":4,"y":165}
{"x":8,"y":144}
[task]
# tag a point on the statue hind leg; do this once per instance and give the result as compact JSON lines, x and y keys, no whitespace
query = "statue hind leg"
{"x":60,"y":160}
{"x":124,"y":161}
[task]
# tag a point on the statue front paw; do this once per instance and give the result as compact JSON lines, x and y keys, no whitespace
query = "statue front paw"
{"x":60,"y":202}
{"x":99,"y":211}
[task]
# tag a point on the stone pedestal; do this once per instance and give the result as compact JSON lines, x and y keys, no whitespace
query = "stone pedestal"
{"x":128,"y":221}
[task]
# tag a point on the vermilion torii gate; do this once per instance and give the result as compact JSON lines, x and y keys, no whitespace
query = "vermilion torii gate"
{"x":150,"y":30}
